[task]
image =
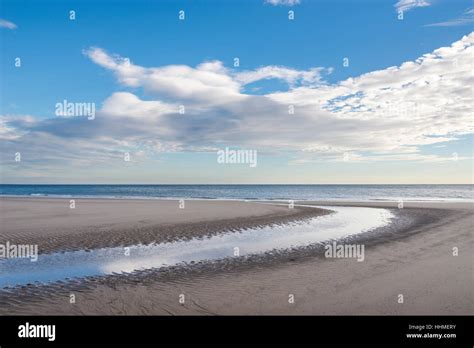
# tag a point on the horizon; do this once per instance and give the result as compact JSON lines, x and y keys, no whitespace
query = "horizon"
{"x":270,"y":184}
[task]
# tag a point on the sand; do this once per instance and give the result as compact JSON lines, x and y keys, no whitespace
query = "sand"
{"x":94,"y":223}
{"x":413,"y":258}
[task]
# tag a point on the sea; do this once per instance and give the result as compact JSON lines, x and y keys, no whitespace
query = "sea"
{"x":249,"y":192}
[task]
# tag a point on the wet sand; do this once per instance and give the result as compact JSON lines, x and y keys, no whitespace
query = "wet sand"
{"x":412,"y":257}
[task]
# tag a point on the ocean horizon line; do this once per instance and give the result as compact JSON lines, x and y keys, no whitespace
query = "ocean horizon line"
{"x":365,"y":184}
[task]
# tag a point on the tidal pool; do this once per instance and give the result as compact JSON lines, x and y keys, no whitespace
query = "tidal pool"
{"x":344,"y":222}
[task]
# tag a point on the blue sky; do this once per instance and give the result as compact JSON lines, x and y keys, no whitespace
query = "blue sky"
{"x":65,"y":59}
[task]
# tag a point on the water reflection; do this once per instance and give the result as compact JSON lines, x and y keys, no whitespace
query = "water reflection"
{"x":346,"y":221}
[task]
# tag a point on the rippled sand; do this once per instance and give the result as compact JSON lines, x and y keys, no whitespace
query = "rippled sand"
{"x":412,"y":257}
{"x":99,"y":223}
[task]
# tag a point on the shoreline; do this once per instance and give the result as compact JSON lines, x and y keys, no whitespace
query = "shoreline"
{"x":412,"y":256}
{"x":248,"y":199}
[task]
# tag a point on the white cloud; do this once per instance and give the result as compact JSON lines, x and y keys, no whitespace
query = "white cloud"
{"x":208,"y":83}
{"x":7,"y":24}
{"x":407,"y":5}
{"x":129,"y":105}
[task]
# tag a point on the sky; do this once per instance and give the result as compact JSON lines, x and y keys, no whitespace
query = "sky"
{"x":370,"y":91}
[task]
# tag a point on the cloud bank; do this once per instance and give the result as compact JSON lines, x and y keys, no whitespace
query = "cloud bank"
{"x":387,"y":114}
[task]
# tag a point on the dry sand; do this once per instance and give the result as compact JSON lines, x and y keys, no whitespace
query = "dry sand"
{"x":414,"y":258}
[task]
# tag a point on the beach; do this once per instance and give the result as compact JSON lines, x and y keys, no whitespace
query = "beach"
{"x":412,"y":256}
{"x":95,"y":223}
